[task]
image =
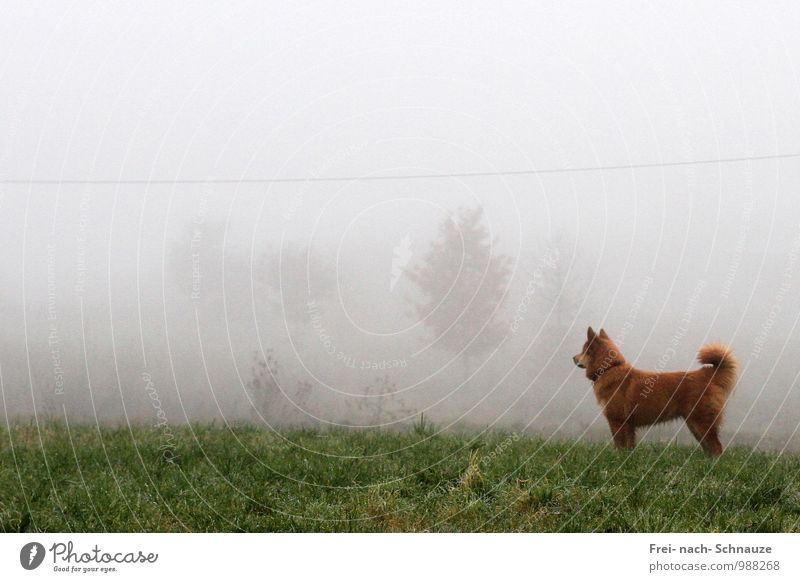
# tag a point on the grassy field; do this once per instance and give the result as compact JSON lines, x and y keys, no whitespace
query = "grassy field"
{"x":246,"y":479}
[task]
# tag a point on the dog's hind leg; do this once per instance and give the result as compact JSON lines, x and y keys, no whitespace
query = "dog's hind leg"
{"x":631,"y":434}
{"x":706,"y":431}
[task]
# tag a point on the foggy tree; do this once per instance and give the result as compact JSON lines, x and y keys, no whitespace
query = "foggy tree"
{"x":295,"y":276}
{"x":273,"y":399}
{"x":288,"y":280}
{"x":382,"y":404}
{"x":561,"y":283}
{"x":462,"y":286}
{"x":195,"y":259}
{"x":263,"y":386}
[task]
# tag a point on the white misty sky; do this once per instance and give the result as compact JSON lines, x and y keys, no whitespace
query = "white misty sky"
{"x":146,"y":90}
{"x":137,"y":90}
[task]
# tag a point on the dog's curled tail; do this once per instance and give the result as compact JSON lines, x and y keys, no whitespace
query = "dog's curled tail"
{"x":725,"y":365}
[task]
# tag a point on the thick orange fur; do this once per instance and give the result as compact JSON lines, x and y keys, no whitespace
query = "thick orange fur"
{"x":632,"y":398}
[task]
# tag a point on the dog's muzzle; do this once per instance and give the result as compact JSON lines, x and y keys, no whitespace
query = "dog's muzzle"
{"x":577,"y":362}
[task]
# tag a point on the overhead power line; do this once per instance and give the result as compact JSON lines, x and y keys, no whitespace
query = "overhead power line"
{"x":531,"y":172}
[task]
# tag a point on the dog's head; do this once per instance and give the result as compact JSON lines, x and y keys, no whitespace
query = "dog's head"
{"x":599,"y":353}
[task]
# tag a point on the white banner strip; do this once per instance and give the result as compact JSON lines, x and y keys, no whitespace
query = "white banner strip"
{"x":354,"y":557}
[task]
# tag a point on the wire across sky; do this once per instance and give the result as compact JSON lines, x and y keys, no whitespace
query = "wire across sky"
{"x":377,"y":178}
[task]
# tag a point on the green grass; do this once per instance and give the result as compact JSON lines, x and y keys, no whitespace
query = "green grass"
{"x":247,"y":479}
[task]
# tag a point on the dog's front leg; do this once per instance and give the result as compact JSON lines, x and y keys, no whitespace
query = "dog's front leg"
{"x":623,"y":434}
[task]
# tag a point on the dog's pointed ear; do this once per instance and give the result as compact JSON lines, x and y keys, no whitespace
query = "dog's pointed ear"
{"x":603,"y":334}
{"x":590,"y":333}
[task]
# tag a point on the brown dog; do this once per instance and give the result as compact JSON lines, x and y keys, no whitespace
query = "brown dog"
{"x":632,"y":398}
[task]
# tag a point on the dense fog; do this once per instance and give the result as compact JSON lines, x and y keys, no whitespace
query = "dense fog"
{"x":178,"y":287}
